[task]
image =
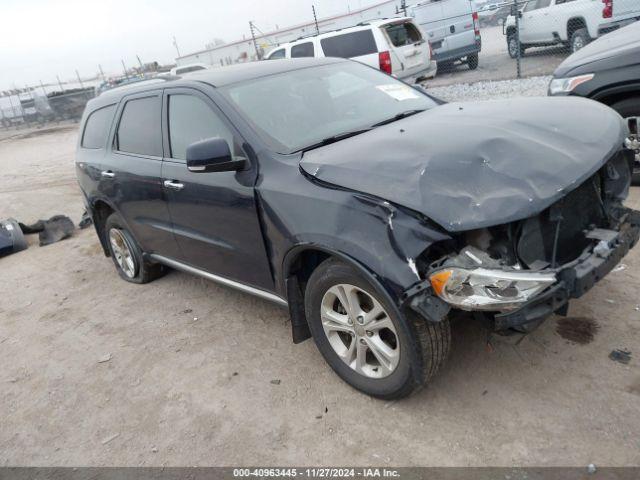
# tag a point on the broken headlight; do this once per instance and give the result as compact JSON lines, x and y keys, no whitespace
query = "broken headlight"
{"x":566,"y":85}
{"x":483,"y":289}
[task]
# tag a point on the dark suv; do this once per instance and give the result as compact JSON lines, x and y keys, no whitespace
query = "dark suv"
{"x":365,"y":206}
{"x":608,"y":71}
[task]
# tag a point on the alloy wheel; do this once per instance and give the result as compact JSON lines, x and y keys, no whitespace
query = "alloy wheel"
{"x":360,"y":331}
{"x":122,"y":252}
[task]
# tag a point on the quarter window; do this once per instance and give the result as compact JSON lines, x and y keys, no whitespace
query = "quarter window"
{"x":348,"y":45}
{"x":192,"y":120}
{"x":97,"y":128}
{"x":302,"y":50}
{"x":139,"y":130}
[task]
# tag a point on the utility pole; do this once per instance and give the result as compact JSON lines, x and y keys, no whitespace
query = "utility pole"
{"x":517,"y":15}
{"x":140,"y":62}
{"x":59,"y":83}
{"x":125,"y":69}
{"x":43,"y":89}
{"x":101,"y":72}
{"x":253,"y":37}
{"x":403,"y":6}
{"x":315,"y":19}
{"x":175,"y":44}
{"x":79,"y":80}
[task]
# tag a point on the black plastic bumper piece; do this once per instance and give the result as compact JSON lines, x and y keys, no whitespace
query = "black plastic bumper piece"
{"x":575,"y":280}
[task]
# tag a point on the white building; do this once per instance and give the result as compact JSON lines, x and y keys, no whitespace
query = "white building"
{"x":245,"y":51}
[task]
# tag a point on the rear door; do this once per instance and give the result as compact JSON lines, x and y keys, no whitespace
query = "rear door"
{"x":214,"y":214}
{"x":407,"y":46}
{"x":538,"y":22}
{"x":132,"y":169}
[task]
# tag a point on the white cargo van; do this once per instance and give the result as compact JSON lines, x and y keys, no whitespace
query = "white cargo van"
{"x":395,"y":46}
{"x":452,"y":29}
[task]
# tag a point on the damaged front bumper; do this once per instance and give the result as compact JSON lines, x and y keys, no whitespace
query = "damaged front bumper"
{"x":573,"y":280}
{"x":576,"y":278}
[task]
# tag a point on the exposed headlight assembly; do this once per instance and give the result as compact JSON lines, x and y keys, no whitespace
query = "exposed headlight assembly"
{"x":567,"y":85}
{"x":483,"y":289}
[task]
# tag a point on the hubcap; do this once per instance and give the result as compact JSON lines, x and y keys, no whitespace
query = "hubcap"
{"x":122,"y":252}
{"x":578,"y":43}
{"x":360,"y":331}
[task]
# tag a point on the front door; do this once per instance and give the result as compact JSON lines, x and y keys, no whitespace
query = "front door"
{"x":537,"y":23}
{"x":214,"y":215}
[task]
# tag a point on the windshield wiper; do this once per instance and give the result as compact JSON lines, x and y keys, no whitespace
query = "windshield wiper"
{"x":399,"y":116}
{"x":334,"y":139}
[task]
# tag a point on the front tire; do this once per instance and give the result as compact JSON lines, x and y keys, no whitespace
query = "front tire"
{"x":365,"y":341}
{"x":512,"y":47}
{"x":126,"y":253}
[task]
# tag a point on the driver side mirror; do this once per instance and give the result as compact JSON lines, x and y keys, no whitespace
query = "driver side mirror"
{"x":212,"y":155}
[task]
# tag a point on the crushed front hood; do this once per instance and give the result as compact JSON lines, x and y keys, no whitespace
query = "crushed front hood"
{"x":473,"y":165}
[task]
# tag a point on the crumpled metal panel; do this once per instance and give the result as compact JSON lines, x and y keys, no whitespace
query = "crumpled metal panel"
{"x":473,"y":165}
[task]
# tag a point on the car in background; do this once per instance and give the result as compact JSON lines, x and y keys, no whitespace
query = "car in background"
{"x":183,"y":69}
{"x":453,"y":30}
{"x":396,"y":46}
{"x":607,"y":70}
{"x":574,"y":23}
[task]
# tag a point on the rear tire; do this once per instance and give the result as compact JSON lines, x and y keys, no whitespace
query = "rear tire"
{"x":472,"y":61}
{"x":415,"y":347}
{"x":627,"y":108}
{"x":579,"y":39}
{"x":127,"y":255}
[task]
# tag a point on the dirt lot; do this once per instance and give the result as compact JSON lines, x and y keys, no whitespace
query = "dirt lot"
{"x":96,"y":371}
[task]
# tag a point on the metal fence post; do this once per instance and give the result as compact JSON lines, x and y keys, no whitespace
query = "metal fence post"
{"x":517,"y":15}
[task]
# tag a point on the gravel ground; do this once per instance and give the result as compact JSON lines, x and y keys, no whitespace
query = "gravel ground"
{"x":487,"y":90}
{"x":99,"y":372}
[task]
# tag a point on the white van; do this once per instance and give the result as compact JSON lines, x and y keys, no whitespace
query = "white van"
{"x":452,"y":28}
{"x":395,"y":46}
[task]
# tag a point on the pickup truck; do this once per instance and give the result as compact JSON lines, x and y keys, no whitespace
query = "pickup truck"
{"x":573,"y":23}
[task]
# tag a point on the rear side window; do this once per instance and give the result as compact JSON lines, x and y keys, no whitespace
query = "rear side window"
{"x":277,"y":54}
{"x":349,"y":45}
{"x":403,"y":34}
{"x":302,"y":50}
{"x":192,"y":120}
{"x":97,"y":128}
{"x":139,"y":130}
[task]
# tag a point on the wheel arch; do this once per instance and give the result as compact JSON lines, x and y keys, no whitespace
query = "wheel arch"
{"x":100,"y":211}
{"x":298,"y":265}
{"x":573,"y":24}
{"x":609,"y":95}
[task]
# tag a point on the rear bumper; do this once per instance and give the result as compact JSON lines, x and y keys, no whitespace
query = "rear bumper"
{"x":424,"y":74}
{"x":575,"y":279}
{"x":458,"y":53}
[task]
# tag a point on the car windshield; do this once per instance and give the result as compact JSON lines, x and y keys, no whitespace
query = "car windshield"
{"x":301,"y":108}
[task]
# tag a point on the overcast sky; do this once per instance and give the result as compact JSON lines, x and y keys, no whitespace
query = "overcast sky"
{"x":40,"y":39}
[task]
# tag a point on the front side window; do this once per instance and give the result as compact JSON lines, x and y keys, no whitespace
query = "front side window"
{"x":96,"y":129}
{"x":192,"y":120}
{"x":299,"y":108}
{"x":302,"y":50}
{"x":139,"y":131}
{"x":403,"y":34}
{"x":277,"y":54}
{"x":349,"y":45}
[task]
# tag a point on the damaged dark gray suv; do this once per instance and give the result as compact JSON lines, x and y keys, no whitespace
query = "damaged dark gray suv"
{"x":368,"y":208}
